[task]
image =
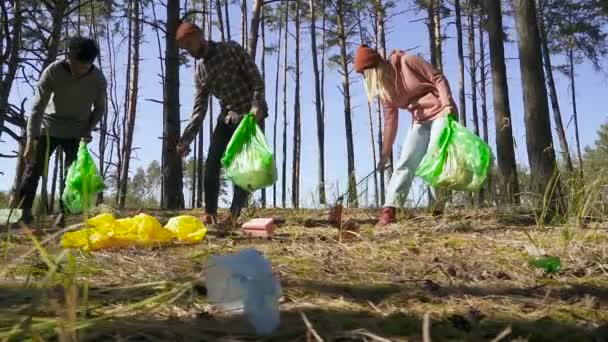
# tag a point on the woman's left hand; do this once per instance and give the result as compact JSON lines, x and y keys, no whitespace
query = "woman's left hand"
{"x":447,"y":110}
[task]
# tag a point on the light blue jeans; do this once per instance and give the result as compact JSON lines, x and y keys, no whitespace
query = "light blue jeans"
{"x":420,"y":137}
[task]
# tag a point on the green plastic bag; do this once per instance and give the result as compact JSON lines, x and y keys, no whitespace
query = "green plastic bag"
{"x":82,"y":183}
{"x":248,"y":160}
{"x":459,"y":161}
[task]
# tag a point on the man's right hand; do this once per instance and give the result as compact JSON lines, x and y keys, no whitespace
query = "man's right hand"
{"x":29,"y":153}
{"x":183,"y":150}
{"x":233,"y":118}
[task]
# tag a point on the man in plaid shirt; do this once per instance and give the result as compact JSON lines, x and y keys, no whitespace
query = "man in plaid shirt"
{"x":227,"y":72}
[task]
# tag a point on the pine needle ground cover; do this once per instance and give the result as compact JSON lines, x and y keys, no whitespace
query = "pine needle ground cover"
{"x":465,"y":276}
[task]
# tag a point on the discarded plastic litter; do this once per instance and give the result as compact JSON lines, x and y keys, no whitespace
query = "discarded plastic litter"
{"x":243,"y":283}
{"x":460,"y":160}
{"x":105,"y":231}
{"x":248,"y":160}
{"x":549,"y":264}
{"x":187,"y":228}
{"x":15,"y":216}
{"x":83,"y":182}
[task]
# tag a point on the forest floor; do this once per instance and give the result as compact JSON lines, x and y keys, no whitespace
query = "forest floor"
{"x":465,"y":275}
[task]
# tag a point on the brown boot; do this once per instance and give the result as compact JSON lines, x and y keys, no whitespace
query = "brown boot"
{"x":388,"y":215}
{"x":209,"y":219}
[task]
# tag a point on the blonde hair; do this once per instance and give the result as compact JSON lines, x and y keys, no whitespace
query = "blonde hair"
{"x":379,"y":81}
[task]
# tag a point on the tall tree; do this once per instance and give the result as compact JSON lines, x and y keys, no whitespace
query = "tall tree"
{"x":342,"y":17}
{"x":133,"y":89}
{"x":220,"y":18}
{"x":541,"y":155}
{"x":461,"y":94}
{"x":297,"y":128}
{"x":380,"y":38}
{"x":285,"y":68}
{"x":227,"y":20}
{"x":9,"y":56}
{"x":173,"y":196}
{"x":509,"y":186}
{"x":557,"y":114}
{"x":254,"y":28}
{"x":276,"y":106}
{"x":244,"y":38}
{"x":318,"y":103}
{"x":473,"y":66}
{"x":263,"y":63}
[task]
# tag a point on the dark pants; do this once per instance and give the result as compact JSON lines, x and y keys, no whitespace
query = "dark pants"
{"x":45,"y":148}
{"x":219,"y":141}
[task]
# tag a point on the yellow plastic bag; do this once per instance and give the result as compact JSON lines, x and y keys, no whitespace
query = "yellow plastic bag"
{"x":150,"y":231}
{"x":77,"y":239}
{"x":101,"y":220}
{"x":187,"y":229}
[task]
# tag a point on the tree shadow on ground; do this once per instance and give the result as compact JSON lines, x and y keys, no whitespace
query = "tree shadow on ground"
{"x":334,"y":325}
{"x":376,"y":293}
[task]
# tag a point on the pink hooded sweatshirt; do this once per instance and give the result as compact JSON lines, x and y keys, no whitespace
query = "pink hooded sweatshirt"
{"x":421,"y":89}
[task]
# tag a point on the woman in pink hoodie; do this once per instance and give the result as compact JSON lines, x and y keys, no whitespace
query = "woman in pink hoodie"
{"x":405,"y":81}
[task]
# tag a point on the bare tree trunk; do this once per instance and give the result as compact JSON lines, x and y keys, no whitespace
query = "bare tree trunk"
{"x":350,"y":150}
{"x":263,"y":63}
{"x":255,"y":25}
{"x":244,"y":23}
{"x":285,"y":67}
{"x":220,"y":18}
{"x":541,"y":154}
{"x":193,"y":174}
{"x":51,"y":204}
{"x":371,"y":122}
{"x":509,"y":185}
{"x":381,"y":47}
{"x":557,"y":114}
{"x":484,"y":102}
{"x":461,"y":93}
{"x":574,"y":110}
{"x":172,"y":177}
{"x":227,"y":20}
{"x":431,"y":28}
{"x":473,"y":67}
{"x":132,"y":103}
{"x":437,"y":4}
{"x":297,"y":130}
{"x":318,"y":103}
{"x":6,"y":82}
{"x":276,"y":109}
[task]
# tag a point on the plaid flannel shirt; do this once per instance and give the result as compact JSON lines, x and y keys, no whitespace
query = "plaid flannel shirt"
{"x":227,"y":72}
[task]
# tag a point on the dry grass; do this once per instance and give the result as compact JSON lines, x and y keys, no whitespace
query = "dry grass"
{"x":467,"y":271}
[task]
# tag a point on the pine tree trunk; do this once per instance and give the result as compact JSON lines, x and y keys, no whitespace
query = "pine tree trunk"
{"x":227,"y":20}
{"x":132,"y":102}
{"x":244,"y":23}
{"x":574,"y":110}
{"x":297,"y":130}
{"x":103,"y":124}
{"x":350,"y":150}
{"x":220,"y":18}
{"x":172,"y":163}
{"x":461,"y":85}
{"x":431,"y":28}
{"x":484,"y":104}
{"x":263,"y":63}
{"x":285,"y":67}
{"x":473,"y":68}
{"x":8,"y":78}
{"x":371,"y":123}
{"x":437,"y":4}
{"x":381,"y":47}
{"x":557,"y":114}
{"x":509,"y":185}
{"x":193,"y":175}
{"x":54,"y":182}
{"x":276,"y":109}
{"x":255,"y":25}
{"x":538,"y":125}
{"x":318,"y":104}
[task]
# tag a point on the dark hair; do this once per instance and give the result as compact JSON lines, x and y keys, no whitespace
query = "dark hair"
{"x":82,"y":49}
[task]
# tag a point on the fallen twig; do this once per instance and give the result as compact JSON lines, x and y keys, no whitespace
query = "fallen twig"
{"x":310,"y":328}
{"x":503,"y":334}
{"x":426,"y":328}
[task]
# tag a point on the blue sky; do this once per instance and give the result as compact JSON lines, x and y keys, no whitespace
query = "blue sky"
{"x":405,"y":32}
